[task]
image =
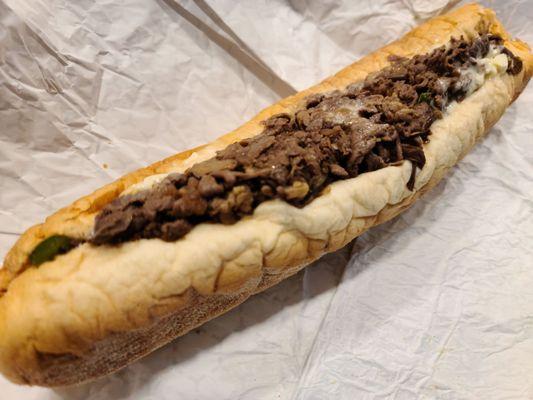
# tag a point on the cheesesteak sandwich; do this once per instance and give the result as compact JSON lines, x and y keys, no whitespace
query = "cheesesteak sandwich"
{"x":164,"y":249}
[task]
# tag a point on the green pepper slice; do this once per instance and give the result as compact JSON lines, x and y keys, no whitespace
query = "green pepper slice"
{"x":51,"y":247}
{"x":425,"y":98}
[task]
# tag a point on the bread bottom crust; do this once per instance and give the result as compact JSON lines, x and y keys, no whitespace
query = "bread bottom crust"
{"x":119,"y":350}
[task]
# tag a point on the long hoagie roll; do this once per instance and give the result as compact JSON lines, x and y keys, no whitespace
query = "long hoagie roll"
{"x":162,"y":250}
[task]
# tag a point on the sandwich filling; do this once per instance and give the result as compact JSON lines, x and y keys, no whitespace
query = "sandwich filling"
{"x":379,"y":122}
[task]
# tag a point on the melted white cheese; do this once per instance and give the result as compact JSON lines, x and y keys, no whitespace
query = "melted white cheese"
{"x":493,"y":64}
{"x":145,"y":184}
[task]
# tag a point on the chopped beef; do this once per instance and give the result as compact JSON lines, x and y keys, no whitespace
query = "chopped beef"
{"x":372,"y":124}
{"x":515,"y":63}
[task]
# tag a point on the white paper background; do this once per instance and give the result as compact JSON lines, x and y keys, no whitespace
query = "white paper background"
{"x":436,"y":304}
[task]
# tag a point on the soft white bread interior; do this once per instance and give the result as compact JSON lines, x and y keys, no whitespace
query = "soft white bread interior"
{"x":96,"y":309}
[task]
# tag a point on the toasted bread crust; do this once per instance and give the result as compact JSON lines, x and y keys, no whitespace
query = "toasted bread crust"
{"x":135,"y":298}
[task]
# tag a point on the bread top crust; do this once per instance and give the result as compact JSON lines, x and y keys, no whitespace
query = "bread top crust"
{"x":77,"y":219}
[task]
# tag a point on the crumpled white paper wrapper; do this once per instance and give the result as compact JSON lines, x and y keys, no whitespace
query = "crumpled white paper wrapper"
{"x":437,"y":304}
